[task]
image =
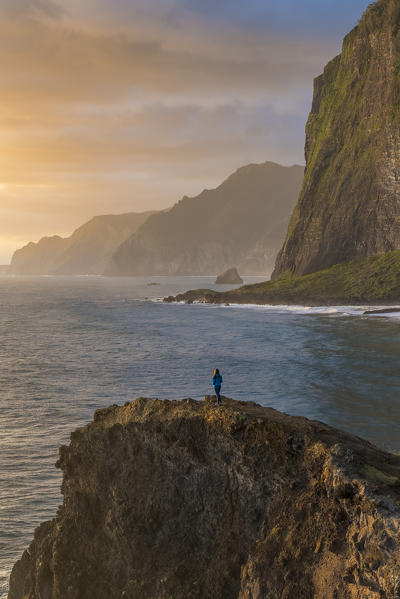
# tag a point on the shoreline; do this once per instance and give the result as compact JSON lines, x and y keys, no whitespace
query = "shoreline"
{"x":362,"y":309}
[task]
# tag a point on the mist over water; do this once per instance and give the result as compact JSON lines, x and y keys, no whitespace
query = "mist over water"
{"x":72,"y":345}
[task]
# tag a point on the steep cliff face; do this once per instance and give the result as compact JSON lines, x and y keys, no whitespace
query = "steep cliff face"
{"x":241,"y":222}
{"x":183,"y":499}
{"x":87,"y":251}
{"x":349,"y":205}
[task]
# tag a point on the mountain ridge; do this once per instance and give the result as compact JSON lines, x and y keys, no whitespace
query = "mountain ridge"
{"x":243,"y":222}
{"x":86,"y":251}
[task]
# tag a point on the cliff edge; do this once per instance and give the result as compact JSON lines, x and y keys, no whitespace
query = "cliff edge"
{"x":349,"y":204}
{"x":183,"y":499}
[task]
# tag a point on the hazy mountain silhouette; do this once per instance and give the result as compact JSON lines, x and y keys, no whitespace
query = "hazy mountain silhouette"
{"x":86,"y":251}
{"x":242,"y":222}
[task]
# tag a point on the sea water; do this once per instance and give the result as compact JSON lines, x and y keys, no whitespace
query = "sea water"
{"x":70,"y":345}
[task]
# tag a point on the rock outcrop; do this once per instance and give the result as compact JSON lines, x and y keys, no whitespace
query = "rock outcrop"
{"x":229,"y":277}
{"x":183,"y":499}
{"x":87,"y":251}
{"x":373,"y":280}
{"x":349,"y":205}
{"x":243,"y":222}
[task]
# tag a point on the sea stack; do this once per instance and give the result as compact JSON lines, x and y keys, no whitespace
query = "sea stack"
{"x":349,"y":205}
{"x":181,"y":499}
{"x":229,"y":277}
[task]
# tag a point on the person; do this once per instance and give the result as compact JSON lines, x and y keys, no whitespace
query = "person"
{"x":217,"y":382}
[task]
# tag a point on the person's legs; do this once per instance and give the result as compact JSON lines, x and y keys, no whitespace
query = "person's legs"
{"x":217,"y":393}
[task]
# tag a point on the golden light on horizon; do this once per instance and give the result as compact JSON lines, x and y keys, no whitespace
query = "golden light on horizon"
{"x":116,"y":109}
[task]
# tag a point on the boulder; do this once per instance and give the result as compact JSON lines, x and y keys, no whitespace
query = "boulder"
{"x":229,"y":277}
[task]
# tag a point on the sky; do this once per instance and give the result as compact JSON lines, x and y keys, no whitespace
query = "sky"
{"x":111,"y":106}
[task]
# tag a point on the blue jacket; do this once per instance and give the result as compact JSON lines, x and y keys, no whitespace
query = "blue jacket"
{"x":217,"y":380}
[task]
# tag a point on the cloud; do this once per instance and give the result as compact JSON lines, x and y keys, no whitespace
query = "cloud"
{"x":122,"y":105}
{"x":31,"y":8}
{"x":50,"y":63}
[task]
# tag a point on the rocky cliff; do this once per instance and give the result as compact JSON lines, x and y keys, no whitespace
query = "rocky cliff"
{"x":242,"y":222}
{"x":349,"y":205}
{"x":87,"y":251}
{"x":183,"y":499}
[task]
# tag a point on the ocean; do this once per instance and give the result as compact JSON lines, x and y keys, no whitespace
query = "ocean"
{"x":70,"y":345}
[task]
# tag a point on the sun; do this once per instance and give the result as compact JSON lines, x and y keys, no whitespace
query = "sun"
{"x":2,"y":187}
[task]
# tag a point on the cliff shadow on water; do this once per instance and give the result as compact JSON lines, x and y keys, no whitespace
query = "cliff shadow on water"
{"x":178,"y":499}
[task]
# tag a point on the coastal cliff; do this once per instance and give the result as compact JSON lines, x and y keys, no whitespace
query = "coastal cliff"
{"x":87,"y":251}
{"x":243,"y":222}
{"x":349,"y":205}
{"x":181,"y":499}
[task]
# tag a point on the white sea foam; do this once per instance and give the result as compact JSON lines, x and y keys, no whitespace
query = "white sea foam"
{"x":306,"y":310}
{"x":322,"y":310}
{"x":383,"y":314}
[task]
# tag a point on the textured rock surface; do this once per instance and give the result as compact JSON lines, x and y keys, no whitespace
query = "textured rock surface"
{"x":229,"y":277}
{"x":243,"y":222}
{"x":349,"y":205}
{"x":183,"y":499}
{"x":87,"y":251}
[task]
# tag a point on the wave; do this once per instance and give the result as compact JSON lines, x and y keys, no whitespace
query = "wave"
{"x":306,"y":310}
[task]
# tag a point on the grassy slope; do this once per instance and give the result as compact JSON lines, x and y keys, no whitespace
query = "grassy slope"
{"x":372,"y":280}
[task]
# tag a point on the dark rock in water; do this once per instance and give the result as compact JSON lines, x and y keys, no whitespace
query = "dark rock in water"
{"x":349,"y":205}
{"x":181,"y":499}
{"x":229,"y":277}
{"x":150,"y":284}
{"x":383,"y":311}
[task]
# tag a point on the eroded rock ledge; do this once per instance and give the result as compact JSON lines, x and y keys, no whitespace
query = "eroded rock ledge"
{"x":375,"y":279}
{"x":180,"y":499}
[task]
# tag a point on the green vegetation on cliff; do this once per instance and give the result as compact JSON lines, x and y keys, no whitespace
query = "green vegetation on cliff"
{"x":372,"y":280}
{"x":349,"y":203}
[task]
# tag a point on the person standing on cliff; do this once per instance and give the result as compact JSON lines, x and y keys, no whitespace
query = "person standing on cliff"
{"x":217,"y":382}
